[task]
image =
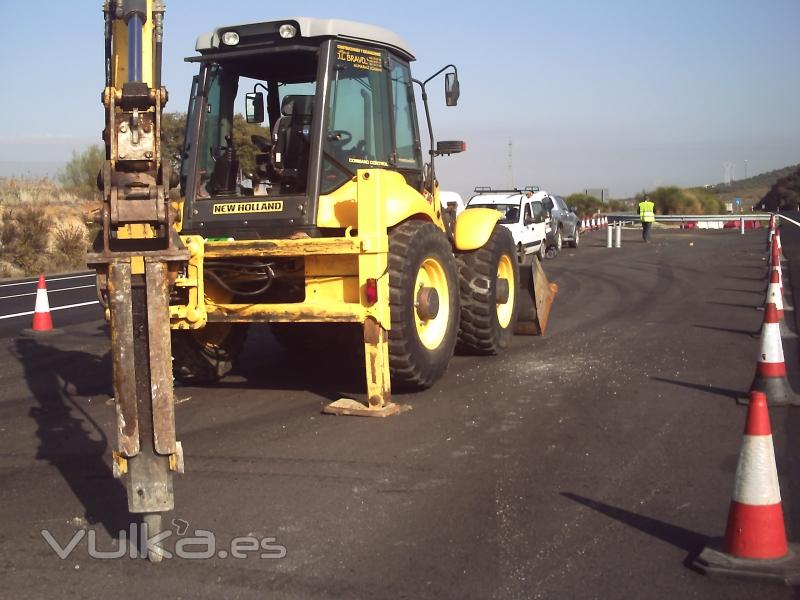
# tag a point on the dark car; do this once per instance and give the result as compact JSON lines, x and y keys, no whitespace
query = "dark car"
{"x":565,"y":227}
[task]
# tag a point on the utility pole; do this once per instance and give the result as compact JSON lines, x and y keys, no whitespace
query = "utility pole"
{"x":745,"y":169}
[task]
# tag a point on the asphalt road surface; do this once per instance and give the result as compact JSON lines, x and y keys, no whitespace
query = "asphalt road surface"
{"x":591,"y":463}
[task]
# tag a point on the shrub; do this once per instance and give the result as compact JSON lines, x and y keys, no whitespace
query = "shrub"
{"x":24,"y":238}
{"x":80,"y":173}
{"x":69,"y":245}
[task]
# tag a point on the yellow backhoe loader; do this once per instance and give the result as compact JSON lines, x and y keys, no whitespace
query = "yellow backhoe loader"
{"x":339,"y":221}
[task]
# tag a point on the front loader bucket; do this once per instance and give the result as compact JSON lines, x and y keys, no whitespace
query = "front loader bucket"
{"x":535,"y":299}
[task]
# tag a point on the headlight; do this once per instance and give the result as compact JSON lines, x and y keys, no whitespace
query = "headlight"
{"x":230,"y":38}
{"x":287,"y":30}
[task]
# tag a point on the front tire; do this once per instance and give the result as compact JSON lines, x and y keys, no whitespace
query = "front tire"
{"x":201,"y":356}
{"x":423,"y":336}
{"x":488,"y":312}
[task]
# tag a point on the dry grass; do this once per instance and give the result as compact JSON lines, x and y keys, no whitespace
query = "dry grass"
{"x":22,"y":191}
{"x":42,"y":227}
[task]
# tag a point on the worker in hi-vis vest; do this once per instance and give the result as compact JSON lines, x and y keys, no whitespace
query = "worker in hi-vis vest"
{"x":648,"y":216}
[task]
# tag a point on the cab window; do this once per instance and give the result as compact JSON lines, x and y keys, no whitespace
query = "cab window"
{"x":406,"y":138}
{"x":358,"y":135}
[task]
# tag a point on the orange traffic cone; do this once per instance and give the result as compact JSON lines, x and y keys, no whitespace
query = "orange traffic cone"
{"x":775,"y":293}
{"x":755,"y":544}
{"x":42,"y":321}
{"x":771,"y":230}
{"x":770,"y":377}
{"x":780,"y":248}
{"x":775,"y":265}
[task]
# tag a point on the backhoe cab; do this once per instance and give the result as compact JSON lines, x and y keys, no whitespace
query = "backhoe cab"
{"x":334,"y":97}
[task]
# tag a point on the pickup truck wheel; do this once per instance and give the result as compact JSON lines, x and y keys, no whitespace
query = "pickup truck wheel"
{"x":423,"y":304}
{"x":201,"y":356}
{"x":489,"y":284}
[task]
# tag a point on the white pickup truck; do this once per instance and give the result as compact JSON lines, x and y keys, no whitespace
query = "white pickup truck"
{"x":525,"y":213}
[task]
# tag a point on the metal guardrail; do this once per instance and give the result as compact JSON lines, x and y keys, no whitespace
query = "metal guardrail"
{"x":684,"y":218}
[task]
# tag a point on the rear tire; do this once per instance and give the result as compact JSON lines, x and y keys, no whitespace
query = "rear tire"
{"x":576,"y":238}
{"x":420,"y":256}
{"x":201,"y":356}
{"x":487,"y":326}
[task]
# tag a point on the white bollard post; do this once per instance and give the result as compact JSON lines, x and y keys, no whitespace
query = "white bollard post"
{"x":609,"y":234}
{"x":618,"y":236}
{"x":741,"y":225}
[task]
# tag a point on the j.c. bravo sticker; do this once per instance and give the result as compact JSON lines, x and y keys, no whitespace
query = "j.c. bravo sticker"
{"x":232,"y":208}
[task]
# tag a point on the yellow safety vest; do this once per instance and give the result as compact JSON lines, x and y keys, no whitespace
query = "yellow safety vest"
{"x":646,"y":211}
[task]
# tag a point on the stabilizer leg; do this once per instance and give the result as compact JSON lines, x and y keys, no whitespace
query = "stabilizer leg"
{"x":379,"y":394}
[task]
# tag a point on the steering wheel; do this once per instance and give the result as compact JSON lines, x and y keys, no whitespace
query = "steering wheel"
{"x":340,"y":137}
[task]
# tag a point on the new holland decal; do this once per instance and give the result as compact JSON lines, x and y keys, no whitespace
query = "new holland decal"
{"x":232,"y":208}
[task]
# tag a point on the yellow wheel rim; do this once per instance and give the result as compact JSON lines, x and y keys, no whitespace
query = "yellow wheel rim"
{"x":431,"y":332}
{"x":505,"y":270}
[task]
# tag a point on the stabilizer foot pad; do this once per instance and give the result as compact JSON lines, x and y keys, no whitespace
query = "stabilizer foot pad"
{"x":353,"y":408}
{"x":714,"y":561}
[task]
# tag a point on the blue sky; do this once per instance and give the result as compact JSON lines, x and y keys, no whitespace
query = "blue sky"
{"x":617,"y":94}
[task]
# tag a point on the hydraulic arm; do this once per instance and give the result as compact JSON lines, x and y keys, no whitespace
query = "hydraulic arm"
{"x":137,"y":255}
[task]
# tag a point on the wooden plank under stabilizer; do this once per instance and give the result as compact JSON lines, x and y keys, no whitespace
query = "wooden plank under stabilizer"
{"x":350,"y":407}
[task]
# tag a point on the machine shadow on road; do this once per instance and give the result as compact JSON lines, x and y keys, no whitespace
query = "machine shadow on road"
{"x":69,"y":438}
{"x":327,"y":366}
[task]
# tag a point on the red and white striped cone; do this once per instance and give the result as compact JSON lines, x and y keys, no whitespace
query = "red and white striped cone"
{"x":780,"y":247}
{"x":774,"y":254}
{"x":42,"y":321}
{"x":777,"y":269}
{"x":770,"y":377}
{"x":755,"y":544}
{"x":775,"y":293}
{"x":771,"y":230}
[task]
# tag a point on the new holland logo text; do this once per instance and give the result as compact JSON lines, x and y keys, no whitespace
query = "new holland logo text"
{"x":230,"y":208}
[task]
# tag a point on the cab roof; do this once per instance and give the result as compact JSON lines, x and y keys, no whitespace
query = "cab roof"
{"x":307,"y":27}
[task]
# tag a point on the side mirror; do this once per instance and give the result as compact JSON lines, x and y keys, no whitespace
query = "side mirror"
{"x":450,"y":147}
{"x":548,"y":203}
{"x":452,"y":90}
{"x":254,"y":107}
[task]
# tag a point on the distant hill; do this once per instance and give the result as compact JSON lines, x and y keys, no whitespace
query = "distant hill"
{"x":785,"y":194}
{"x":752,"y":189}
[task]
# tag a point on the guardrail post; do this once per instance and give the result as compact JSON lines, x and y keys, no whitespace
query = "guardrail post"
{"x":609,"y":233}
{"x":741,"y":225}
{"x":618,"y":235}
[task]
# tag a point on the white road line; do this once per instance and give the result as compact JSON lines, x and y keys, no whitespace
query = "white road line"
{"x":2,"y":285}
{"x":77,"y":287}
{"x":30,"y":312}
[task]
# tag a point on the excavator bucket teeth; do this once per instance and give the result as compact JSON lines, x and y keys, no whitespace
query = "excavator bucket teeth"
{"x":536,"y":295}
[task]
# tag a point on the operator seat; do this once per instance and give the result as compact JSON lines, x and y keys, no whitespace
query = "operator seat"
{"x":291,"y":137}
